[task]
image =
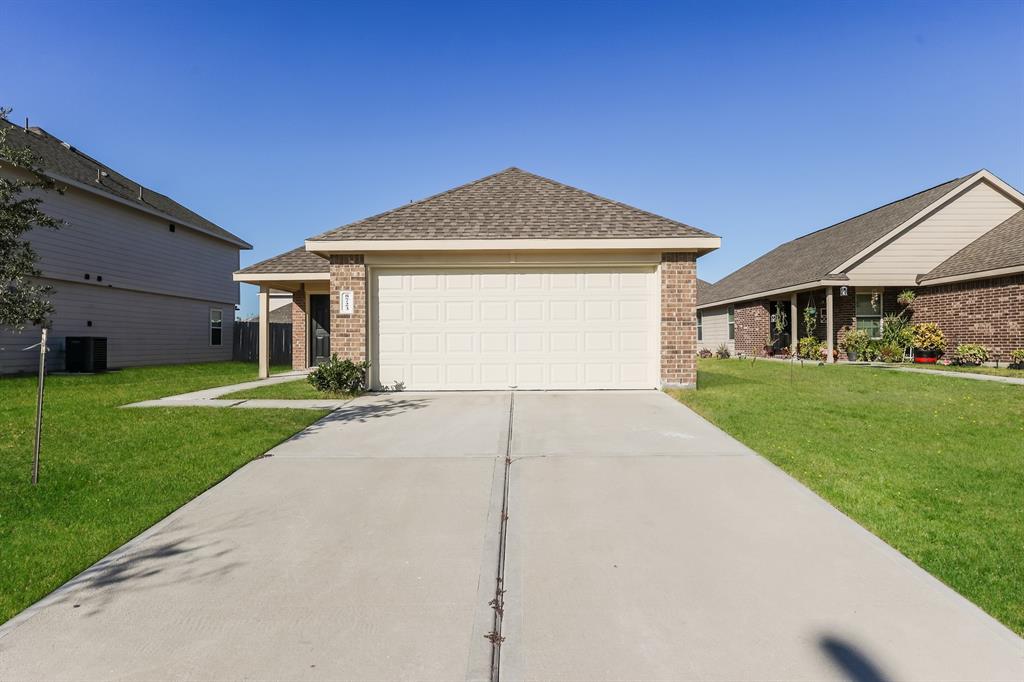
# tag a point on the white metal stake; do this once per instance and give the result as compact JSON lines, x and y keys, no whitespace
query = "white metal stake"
{"x":39,"y":407}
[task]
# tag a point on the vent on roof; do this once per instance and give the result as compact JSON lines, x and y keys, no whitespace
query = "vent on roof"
{"x":65,"y":145}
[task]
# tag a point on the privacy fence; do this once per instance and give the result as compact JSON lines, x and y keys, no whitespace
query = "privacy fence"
{"x":247,"y":342}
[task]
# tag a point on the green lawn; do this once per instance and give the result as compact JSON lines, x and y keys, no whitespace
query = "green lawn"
{"x":300,"y":389}
{"x":934,"y":467}
{"x":107,"y":473}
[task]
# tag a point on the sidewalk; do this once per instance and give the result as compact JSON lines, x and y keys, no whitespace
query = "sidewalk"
{"x":211,"y":397}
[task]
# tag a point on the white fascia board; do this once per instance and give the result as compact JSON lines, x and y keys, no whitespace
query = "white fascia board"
{"x":980,"y":176}
{"x":983,"y":274}
{"x":773,"y":292}
{"x":279,"y":276}
{"x":702,"y":244}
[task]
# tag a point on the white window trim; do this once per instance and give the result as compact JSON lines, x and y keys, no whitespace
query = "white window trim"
{"x":209,"y":336}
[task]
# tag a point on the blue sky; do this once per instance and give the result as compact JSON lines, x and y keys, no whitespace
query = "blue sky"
{"x":758,"y":122}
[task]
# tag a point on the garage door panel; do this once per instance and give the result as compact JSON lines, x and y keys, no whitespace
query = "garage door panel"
{"x":531,"y":329}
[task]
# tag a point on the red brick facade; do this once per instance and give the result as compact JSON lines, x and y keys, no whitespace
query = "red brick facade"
{"x":348,"y":332}
{"x":300,"y":328}
{"x":679,"y":319}
{"x":753,"y":324}
{"x":989,"y":312}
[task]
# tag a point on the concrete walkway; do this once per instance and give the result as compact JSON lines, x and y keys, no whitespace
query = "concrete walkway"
{"x":642,"y":543}
{"x":212,"y":397}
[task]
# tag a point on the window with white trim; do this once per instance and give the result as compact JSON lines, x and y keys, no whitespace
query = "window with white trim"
{"x":732,"y":322}
{"x":869,"y":313}
{"x":700,"y":326}
{"x":216,"y":326}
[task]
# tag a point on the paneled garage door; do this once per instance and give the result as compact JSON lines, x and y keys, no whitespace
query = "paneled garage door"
{"x":550,"y":328}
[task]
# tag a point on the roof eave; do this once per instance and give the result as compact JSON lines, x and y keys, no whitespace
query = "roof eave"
{"x":700,"y":245}
{"x":963,"y":277}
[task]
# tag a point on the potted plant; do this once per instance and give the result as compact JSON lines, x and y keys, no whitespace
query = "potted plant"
{"x":854,"y":343}
{"x":1017,"y":359}
{"x":970,"y":354}
{"x":929,"y":342}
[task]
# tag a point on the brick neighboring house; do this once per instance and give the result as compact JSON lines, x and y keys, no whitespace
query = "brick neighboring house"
{"x":959,"y":246}
{"x":510,"y":281}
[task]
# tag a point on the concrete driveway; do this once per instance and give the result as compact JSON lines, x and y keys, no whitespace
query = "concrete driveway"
{"x":642,"y":543}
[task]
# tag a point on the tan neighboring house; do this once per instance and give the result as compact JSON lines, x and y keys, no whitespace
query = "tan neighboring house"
{"x":511,"y":281}
{"x":129,"y":265}
{"x":959,"y":246}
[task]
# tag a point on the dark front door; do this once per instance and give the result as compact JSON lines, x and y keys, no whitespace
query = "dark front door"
{"x":320,"y":327}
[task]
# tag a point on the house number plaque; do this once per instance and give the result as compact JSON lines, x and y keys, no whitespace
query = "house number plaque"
{"x":346,"y":302}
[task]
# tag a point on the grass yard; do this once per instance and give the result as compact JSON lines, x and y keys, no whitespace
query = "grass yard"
{"x":934,"y":467}
{"x":108,"y":474}
{"x":299,"y":389}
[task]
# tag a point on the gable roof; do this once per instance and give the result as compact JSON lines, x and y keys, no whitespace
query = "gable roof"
{"x":1001,"y":247}
{"x":64,"y":163}
{"x":512,"y":204}
{"x":817,"y":255}
{"x":703,"y":289}
{"x":293,"y":262}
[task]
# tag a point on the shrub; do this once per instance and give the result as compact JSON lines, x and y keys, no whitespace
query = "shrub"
{"x":906,"y":298}
{"x":809,"y":347}
{"x":872,"y":350}
{"x":897,"y":331}
{"x":928,"y":336}
{"x":723,"y":351}
{"x":855,"y":341}
{"x":1017,"y":359}
{"x":705,"y":353}
{"x":970,"y":354}
{"x":890,"y":352}
{"x":340,"y":377}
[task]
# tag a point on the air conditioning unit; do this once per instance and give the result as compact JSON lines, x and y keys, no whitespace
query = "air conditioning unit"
{"x":85,"y":354}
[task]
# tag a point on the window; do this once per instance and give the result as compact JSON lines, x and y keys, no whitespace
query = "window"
{"x":732,"y":323}
{"x":700,"y":326}
{"x":869,"y":313}
{"x":216,"y":325}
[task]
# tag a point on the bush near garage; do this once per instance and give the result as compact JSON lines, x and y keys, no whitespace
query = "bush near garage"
{"x":340,"y":377}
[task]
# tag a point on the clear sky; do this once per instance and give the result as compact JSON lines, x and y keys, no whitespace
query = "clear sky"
{"x":758,"y":122}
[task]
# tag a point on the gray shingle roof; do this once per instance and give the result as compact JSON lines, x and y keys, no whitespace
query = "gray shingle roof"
{"x":62,"y":159}
{"x":297,"y":260}
{"x":814,"y":256}
{"x":1000,"y":247}
{"x":703,"y":289}
{"x":513,"y":204}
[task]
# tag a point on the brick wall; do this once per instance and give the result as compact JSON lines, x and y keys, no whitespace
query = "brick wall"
{"x":989,"y":312}
{"x":679,"y":319}
{"x":348,"y":332}
{"x":752,"y":326}
{"x":300,"y":328}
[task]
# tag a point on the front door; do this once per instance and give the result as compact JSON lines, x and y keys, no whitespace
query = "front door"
{"x":320,"y":327}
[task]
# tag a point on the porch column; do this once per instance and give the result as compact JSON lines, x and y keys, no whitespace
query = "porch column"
{"x":264,"y":356}
{"x":829,"y":327}
{"x":793,"y":324}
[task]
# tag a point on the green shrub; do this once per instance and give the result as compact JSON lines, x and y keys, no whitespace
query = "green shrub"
{"x":340,"y":377}
{"x":855,"y":341}
{"x":897,"y":331}
{"x":1017,"y":356}
{"x":928,"y":336}
{"x":970,"y":354}
{"x":723,"y":351}
{"x":890,"y":352}
{"x":809,"y":347}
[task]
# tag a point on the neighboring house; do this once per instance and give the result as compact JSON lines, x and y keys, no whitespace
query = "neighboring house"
{"x":513,"y":280}
{"x":129,"y":264}
{"x":959,"y":245}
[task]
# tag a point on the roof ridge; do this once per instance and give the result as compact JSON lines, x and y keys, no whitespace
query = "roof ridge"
{"x":607,"y":200}
{"x":878,"y":208}
{"x":417,"y":202}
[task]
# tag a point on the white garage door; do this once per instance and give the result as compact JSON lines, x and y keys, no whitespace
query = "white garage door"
{"x":548,"y":328}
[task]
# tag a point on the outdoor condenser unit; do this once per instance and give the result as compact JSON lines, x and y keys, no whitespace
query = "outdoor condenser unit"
{"x":85,"y":354}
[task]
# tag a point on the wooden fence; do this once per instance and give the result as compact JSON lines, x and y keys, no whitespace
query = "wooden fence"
{"x":246,"y":345}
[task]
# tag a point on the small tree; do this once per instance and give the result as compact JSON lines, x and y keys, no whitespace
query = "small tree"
{"x":23,"y":301}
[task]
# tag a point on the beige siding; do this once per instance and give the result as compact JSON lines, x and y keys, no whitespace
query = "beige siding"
{"x":715,"y":329}
{"x":132,"y":250}
{"x":141,"y":328}
{"x":936,"y":238}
